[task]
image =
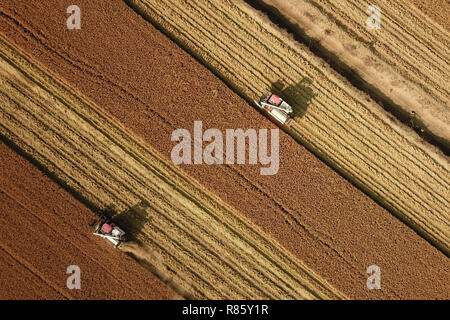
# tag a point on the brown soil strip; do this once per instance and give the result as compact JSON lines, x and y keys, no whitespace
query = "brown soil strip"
{"x":363,"y":65}
{"x":43,"y":230}
{"x":152,"y":87}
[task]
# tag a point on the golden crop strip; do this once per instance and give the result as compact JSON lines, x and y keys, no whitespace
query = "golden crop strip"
{"x":339,"y":123}
{"x":407,"y":59}
{"x":204,"y":245}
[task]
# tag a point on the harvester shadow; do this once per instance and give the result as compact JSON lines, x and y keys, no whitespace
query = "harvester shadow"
{"x":132,"y":220}
{"x":298,"y":96}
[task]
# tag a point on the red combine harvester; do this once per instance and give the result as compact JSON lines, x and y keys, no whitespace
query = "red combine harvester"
{"x":110,"y":231}
{"x":276,"y":107}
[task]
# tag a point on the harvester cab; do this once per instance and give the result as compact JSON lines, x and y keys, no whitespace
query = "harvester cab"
{"x":109,"y":231}
{"x":279,"y":109}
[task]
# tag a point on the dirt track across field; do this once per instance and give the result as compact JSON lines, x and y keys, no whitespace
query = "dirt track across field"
{"x":43,"y":230}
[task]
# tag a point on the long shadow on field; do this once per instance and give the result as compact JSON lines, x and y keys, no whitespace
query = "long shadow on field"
{"x":298,"y":96}
{"x":131,"y":220}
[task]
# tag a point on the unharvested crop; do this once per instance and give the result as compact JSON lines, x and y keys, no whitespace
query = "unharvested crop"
{"x":153,"y":87}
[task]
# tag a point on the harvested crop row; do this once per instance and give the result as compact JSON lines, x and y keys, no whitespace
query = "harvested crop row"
{"x":344,"y":127}
{"x":309,"y":209}
{"x":407,"y":59}
{"x":98,"y":159}
{"x":44,"y":229}
{"x":18,"y":282}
